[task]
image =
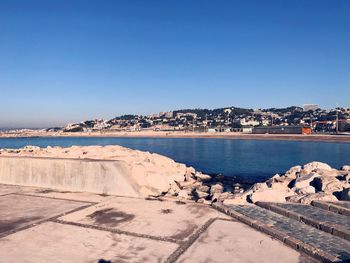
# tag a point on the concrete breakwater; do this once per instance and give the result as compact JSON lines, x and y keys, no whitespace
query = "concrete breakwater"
{"x":116,"y":170}
{"x":101,"y":177}
{"x":112,"y":170}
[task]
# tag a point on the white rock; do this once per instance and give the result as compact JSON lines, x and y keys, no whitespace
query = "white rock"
{"x":328,"y":184}
{"x":201,"y":194}
{"x":216,"y":188}
{"x":202,"y":177}
{"x":270,"y":195}
{"x":235,"y":201}
{"x":203,"y":201}
{"x":203,"y":188}
{"x":346,"y":168}
{"x":292,"y":172}
{"x":304,"y":180}
{"x":307,"y":199}
{"x":306,"y":190}
{"x":259,"y":186}
{"x":222,"y":196}
{"x":189,"y":175}
{"x":330,"y":173}
{"x":316,"y":165}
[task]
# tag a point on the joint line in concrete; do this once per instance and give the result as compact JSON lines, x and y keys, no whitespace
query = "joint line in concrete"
{"x":43,"y":221}
{"x":117,"y":231}
{"x":186,"y":245}
{"x":55,"y":198}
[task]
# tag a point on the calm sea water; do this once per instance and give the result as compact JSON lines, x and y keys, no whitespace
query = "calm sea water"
{"x":250,"y":160}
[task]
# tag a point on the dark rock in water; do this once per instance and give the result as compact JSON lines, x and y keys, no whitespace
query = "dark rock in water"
{"x":345,"y":195}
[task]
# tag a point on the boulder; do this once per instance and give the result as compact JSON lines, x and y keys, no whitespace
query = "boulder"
{"x":347,"y":177}
{"x":270,"y":195}
{"x":306,"y":190}
{"x":238,"y":200}
{"x":283,"y":185}
{"x":293,"y":172}
{"x":189,"y":175}
{"x":216,"y":188}
{"x":280,"y":182}
{"x":328,"y":184}
{"x":222,"y":196}
{"x":273,"y":179}
{"x":307,"y":199}
{"x":330,"y":173}
{"x":186,"y":184}
{"x":203,"y":188}
{"x":346,"y":168}
{"x":309,"y":167}
{"x":30,"y":148}
{"x":203,"y":201}
{"x":259,"y":187}
{"x":304,"y":180}
{"x":199,"y":194}
{"x":202,"y":177}
{"x":294,"y":198}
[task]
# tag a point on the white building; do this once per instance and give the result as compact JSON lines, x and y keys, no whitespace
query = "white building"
{"x":245,"y":122}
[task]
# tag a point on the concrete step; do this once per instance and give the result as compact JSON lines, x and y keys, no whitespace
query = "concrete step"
{"x":335,"y":224}
{"x":318,"y":244}
{"x":340,"y":207}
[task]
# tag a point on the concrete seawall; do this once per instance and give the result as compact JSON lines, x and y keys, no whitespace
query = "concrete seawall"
{"x":94,"y":176}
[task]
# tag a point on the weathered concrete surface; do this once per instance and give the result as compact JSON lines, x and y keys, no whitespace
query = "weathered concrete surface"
{"x":246,"y":244}
{"x":157,"y":231}
{"x":102,"y":177}
{"x":18,"y":211}
{"x":52,"y":242}
{"x":162,"y":219}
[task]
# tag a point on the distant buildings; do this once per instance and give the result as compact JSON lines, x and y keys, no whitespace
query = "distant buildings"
{"x":230,"y":119}
{"x":282,"y":130}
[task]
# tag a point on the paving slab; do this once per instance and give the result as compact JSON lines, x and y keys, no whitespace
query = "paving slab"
{"x":340,"y":207}
{"x":294,"y":233}
{"x":327,"y":221}
{"x":18,"y":211}
{"x":164,"y":219}
{"x":237,"y":242}
{"x":344,"y":204}
{"x":54,"y":242}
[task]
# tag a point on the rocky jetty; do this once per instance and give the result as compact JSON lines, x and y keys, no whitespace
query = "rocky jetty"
{"x":153,"y":174}
{"x":301,"y":184}
{"x":157,"y":175}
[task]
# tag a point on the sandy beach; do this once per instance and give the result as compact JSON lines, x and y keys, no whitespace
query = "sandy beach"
{"x":344,"y":138}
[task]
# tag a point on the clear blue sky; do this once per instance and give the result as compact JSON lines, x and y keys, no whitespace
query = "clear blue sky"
{"x":64,"y":61}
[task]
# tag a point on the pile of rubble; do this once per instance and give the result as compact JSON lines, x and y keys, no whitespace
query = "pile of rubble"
{"x":302,"y":184}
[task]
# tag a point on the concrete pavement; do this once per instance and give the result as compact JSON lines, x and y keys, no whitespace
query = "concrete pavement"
{"x":43,"y":225}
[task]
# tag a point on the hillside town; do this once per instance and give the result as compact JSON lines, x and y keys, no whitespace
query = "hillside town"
{"x":230,"y":119}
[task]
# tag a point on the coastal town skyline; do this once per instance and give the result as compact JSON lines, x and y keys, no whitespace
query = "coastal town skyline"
{"x":14,"y":124}
{"x":212,"y":120}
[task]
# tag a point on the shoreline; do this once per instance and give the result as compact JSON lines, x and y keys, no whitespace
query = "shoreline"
{"x":342,"y":138}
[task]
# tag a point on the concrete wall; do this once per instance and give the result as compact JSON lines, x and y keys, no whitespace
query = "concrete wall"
{"x":101,"y":177}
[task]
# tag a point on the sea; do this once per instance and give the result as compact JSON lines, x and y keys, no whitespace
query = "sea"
{"x":247,"y":160}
